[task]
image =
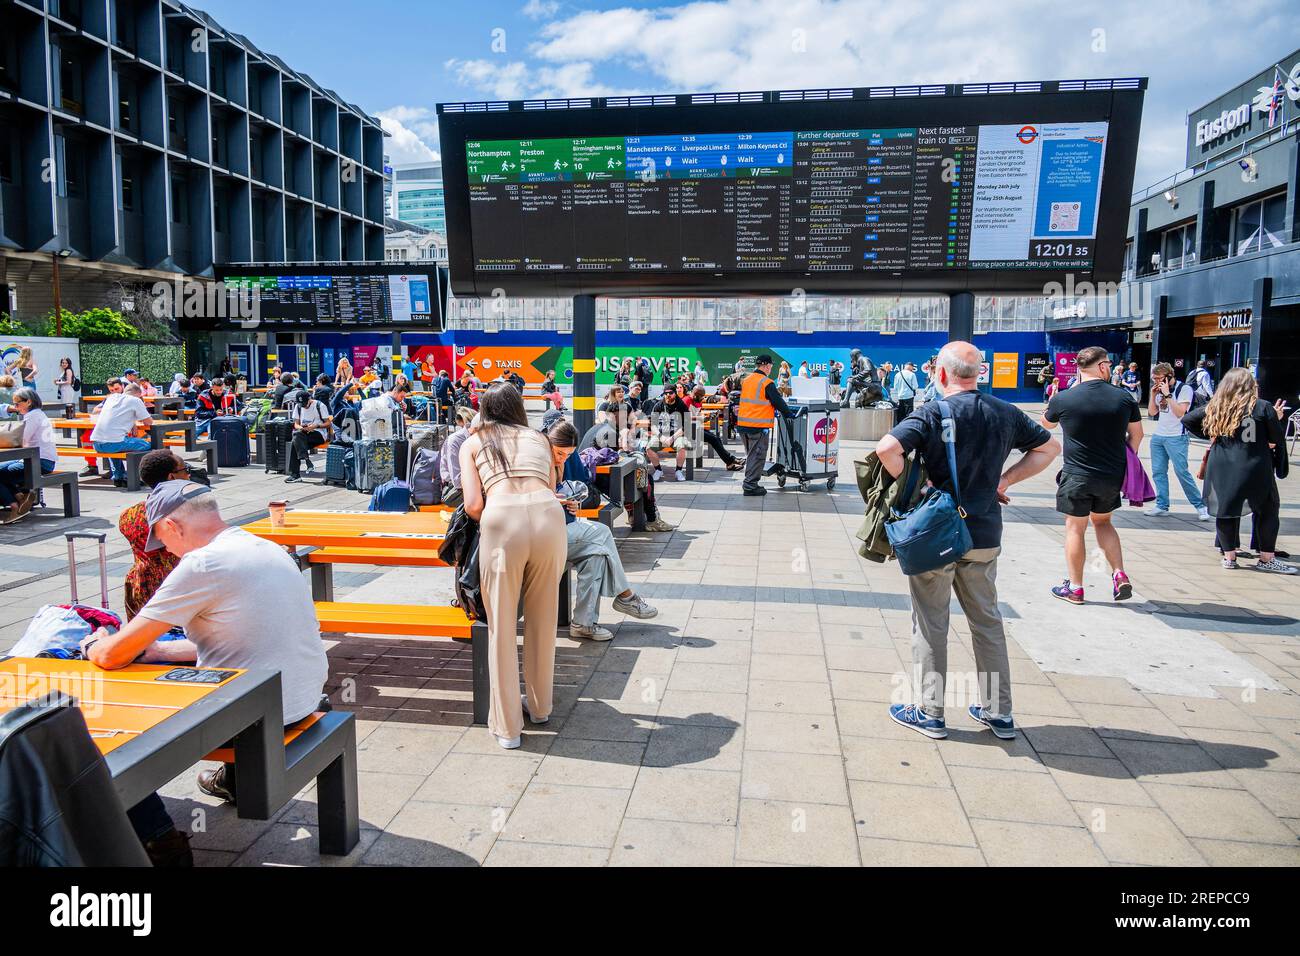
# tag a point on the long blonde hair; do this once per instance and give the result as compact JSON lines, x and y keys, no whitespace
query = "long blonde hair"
{"x":1231,"y":403}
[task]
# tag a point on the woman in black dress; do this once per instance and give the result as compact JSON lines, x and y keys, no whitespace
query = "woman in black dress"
{"x":1243,"y":429}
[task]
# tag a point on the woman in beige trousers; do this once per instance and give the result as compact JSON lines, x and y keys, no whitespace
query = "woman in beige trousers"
{"x":508,"y":478}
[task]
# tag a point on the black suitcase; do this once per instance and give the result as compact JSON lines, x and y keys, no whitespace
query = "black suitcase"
{"x":231,"y":435}
{"x":336,"y":472}
{"x":401,"y":458}
{"x":279,"y":432}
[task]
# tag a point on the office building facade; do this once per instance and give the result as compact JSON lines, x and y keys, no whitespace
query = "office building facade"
{"x":141,"y":139}
{"x":418,"y":196}
{"x":1212,"y":264}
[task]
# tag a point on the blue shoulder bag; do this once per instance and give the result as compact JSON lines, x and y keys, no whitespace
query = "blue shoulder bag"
{"x":934,"y":533}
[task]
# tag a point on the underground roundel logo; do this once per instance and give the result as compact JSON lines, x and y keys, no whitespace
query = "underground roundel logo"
{"x":824,"y":431}
{"x":1027,"y":134}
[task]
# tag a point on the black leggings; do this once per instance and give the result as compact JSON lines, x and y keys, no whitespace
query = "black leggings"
{"x":1266,"y":524}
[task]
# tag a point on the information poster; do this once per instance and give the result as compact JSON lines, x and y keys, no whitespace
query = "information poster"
{"x":1006,"y":369}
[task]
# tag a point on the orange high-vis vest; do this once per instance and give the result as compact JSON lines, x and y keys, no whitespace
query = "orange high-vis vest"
{"x":755,"y":410}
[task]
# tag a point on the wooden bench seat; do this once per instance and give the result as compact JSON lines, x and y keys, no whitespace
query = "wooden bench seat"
{"x":410,"y":619}
{"x":67,"y":481}
{"x":323,"y":747}
{"x":209,"y":449}
{"x":417,"y":621}
{"x":132,"y":459}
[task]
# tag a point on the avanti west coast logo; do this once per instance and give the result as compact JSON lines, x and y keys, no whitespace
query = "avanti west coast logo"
{"x":77,"y":909}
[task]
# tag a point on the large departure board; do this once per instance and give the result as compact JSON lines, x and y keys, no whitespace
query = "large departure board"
{"x":366,"y":296}
{"x":753,"y":205}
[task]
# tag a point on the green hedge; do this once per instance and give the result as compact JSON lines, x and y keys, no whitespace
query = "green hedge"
{"x":103,"y":360}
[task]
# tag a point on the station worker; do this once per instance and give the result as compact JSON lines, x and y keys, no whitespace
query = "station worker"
{"x":760,"y":401}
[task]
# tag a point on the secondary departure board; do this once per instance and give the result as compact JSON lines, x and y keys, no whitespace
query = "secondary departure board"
{"x":343,"y":297}
{"x":887,"y":188}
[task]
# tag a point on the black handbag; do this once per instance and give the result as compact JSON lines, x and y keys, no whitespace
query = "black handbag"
{"x":459,"y":549}
{"x":1281,"y":461}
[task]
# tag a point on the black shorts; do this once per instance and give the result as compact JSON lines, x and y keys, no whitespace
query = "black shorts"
{"x":1082,"y":495}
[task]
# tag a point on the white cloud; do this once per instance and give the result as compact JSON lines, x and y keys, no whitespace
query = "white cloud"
{"x":540,"y":9}
{"x":411,"y":129}
{"x":1192,"y":50}
{"x":517,"y":80}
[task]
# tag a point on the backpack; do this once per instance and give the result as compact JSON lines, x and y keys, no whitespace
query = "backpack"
{"x":426,"y":478}
{"x":393,"y":495}
{"x":255,"y":413}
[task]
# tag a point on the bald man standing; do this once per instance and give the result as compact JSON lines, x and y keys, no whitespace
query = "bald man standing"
{"x":985,"y":430}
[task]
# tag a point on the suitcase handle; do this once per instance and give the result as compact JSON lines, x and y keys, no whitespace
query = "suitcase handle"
{"x":100,"y":537}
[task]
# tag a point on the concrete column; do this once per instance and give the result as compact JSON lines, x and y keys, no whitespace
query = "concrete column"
{"x":584,"y":362}
{"x":1261,"y":300}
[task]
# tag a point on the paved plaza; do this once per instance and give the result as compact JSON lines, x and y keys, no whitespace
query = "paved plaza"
{"x":747,"y":723}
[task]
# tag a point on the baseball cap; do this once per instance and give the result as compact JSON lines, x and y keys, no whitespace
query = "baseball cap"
{"x":130,"y":371}
{"x":165,"y":498}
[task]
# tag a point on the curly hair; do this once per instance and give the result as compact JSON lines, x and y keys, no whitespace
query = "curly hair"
{"x":1231,"y":403}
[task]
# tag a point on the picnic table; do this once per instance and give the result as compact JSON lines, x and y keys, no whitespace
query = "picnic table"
{"x":158,"y":431}
{"x":152,"y":722}
{"x":31,"y":458}
{"x":367,"y":529}
{"x":159,"y":402}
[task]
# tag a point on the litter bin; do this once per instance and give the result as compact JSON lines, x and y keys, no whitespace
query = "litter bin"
{"x":866,"y":424}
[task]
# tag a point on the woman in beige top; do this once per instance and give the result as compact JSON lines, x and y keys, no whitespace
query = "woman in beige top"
{"x":508,"y":479}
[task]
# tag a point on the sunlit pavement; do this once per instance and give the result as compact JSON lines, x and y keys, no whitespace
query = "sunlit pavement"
{"x":747,"y":722}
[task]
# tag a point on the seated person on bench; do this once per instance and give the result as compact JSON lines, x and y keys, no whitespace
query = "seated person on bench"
{"x":592,"y":550}
{"x":243,"y":603}
{"x":15,"y":500}
{"x":216,"y":402}
{"x":711,"y":438}
{"x":150,"y":567}
{"x":114,"y":431}
{"x":311,"y":429}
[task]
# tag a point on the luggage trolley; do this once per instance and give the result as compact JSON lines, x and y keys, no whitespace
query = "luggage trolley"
{"x":807,"y":446}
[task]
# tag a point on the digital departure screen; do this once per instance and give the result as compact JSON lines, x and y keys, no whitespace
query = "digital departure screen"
{"x":754,"y":206}
{"x":338,"y":296}
{"x":1018,"y":196}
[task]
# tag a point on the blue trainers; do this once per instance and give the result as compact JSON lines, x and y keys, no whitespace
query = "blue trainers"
{"x":1004,"y":727}
{"x":910,"y":715}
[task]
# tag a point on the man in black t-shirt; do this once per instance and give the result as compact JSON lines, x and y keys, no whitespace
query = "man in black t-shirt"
{"x":1099,"y":421}
{"x":984,"y":433}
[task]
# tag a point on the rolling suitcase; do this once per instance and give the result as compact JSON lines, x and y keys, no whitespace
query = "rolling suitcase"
{"x":336,"y":472}
{"x":372,"y":464}
{"x":401,"y":458}
{"x":231,"y":435}
{"x":279,"y":432}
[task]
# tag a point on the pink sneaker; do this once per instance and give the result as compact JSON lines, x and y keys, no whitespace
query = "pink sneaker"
{"x":1123,"y":588}
{"x":1067,"y":593}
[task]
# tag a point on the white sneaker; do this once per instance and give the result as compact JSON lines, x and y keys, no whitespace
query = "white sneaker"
{"x":681,"y":475}
{"x":523,"y":699}
{"x":1155,"y":511}
{"x":635,"y":606}
{"x":593,"y":633}
{"x":509,"y":743}
{"x":1203,"y":514}
{"x":1276,"y":567}
{"x":659,"y":474}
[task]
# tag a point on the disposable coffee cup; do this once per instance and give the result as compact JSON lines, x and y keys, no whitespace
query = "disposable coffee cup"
{"x":276,"y":510}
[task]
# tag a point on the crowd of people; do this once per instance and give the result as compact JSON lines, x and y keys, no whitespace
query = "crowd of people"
{"x":1102,"y":431}
{"x":202,"y":591}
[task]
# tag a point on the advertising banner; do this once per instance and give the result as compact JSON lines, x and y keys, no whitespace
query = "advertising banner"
{"x":826,"y":440}
{"x":46,"y":353}
{"x":1035,"y":362}
{"x":1006,"y":369}
{"x":1065,"y":368}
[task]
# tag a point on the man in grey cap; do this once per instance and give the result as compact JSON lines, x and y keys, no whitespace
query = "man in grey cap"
{"x":241,"y":600}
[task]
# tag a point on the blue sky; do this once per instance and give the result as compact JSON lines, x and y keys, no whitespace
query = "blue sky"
{"x":398,"y":59}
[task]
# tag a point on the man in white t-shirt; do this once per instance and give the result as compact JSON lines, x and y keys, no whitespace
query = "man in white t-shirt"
{"x":1170,"y":401}
{"x":241,"y":599}
{"x":113,"y":431}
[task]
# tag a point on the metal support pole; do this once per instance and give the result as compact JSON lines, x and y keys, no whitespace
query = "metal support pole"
{"x":961,"y":316}
{"x":584,"y":362}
